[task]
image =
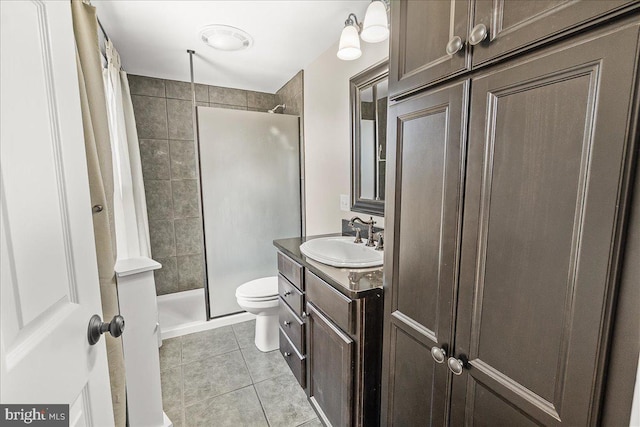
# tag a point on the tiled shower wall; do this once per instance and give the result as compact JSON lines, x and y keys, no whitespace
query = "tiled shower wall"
{"x":164,"y":122}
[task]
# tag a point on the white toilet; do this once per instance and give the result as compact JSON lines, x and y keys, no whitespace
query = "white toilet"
{"x":260,"y":297}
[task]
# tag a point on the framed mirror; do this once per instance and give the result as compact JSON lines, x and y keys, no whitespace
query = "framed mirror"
{"x":369,"y":99}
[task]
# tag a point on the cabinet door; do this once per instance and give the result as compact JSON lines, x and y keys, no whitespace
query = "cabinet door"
{"x":548,"y":144}
{"x":426,"y":136}
{"x":516,"y":25}
{"x":420,"y":31}
{"x":331,"y":373}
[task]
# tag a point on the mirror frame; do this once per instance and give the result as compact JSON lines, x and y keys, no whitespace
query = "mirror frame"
{"x":360,"y":81}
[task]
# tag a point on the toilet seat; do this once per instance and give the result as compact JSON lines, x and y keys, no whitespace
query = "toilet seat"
{"x":263,"y":289}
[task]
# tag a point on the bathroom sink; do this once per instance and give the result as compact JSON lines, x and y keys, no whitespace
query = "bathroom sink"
{"x":341,"y":252}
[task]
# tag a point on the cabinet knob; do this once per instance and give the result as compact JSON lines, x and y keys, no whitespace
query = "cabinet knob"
{"x":455,"y":365}
{"x":438,"y":354}
{"x":304,"y":315}
{"x":455,"y":45}
{"x":287,"y":354}
{"x":286,"y":323}
{"x":478,"y":33}
{"x":287,"y":293}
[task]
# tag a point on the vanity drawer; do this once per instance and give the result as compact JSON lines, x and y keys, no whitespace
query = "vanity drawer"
{"x":335,"y":305}
{"x":296,"y":362}
{"x":291,"y":295}
{"x":292,"y":326}
{"x":291,"y":270}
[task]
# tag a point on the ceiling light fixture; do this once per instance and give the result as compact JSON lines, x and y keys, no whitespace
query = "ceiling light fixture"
{"x":225,"y":37}
{"x":374,"y":29}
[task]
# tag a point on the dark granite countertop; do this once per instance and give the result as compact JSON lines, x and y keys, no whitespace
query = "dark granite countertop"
{"x":354,"y":283}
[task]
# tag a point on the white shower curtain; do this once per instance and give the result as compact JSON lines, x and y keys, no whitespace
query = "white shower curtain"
{"x":130,"y":207}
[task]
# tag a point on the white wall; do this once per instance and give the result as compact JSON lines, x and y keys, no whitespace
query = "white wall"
{"x":327,"y":130}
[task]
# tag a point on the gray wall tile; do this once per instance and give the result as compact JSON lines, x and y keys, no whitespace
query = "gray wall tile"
{"x":151,"y":117}
{"x":214,"y":376}
{"x":141,"y":85}
{"x":260,"y":100}
{"x":183,"y":159}
{"x":188,"y":236}
{"x":291,"y":94}
{"x":159,"y":199}
{"x":228,"y":96}
{"x":154,"y":154}
{"x":182,"y":90}
{"x":190,"y":272}
{"x":163,"y":243}
{"x":180,"y":118}
{"x":186,"y":198}
{"x":228,"y":107}
{"x":238,"y":408}
{"x":166,"y":278}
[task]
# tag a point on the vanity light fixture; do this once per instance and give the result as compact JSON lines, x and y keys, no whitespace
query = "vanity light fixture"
{"x":374,"y":29}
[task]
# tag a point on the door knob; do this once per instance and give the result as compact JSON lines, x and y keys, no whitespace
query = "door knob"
{"x":478,"y":33}
{"x":438,"y":354}
{"x":97,"y":327}
{"x":455,"y":365}
{"x":455,"y":45}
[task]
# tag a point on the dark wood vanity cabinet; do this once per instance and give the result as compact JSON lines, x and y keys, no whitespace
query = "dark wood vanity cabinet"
{"x":331,"y":363}
{"x":332,"y":339}
{"x":292,"y":326}
{"x":344,"y":337}
{"x":506,"y":222}
{"x":421,"y":31}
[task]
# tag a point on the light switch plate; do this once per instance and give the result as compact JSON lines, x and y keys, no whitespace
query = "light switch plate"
{"x":344,"y":202}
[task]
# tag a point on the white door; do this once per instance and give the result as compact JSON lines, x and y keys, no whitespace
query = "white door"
{"x":48,"y":271}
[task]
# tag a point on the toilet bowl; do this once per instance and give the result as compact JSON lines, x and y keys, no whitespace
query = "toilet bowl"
{"x":260,"y":297}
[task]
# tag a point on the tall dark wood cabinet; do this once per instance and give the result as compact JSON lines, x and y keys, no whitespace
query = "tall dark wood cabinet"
{"x":508,"y":190}
{"x":422,"y":261}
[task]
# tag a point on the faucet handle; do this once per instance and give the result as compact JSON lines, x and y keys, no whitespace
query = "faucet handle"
{"x":358,"y":238}
{"x":380,"y":242}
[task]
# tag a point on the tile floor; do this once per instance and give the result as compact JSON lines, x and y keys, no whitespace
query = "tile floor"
{"x":219,"y":378}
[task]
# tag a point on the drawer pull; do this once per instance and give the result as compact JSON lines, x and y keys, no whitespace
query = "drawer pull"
{"x":287,"y":293}
{"x":287,"y":354}
{"x":287,"y":323}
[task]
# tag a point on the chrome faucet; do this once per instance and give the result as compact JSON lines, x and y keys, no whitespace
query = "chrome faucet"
{"x":370,"y":241}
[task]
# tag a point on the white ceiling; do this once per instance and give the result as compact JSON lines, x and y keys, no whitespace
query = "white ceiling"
{"x":152,"y":37}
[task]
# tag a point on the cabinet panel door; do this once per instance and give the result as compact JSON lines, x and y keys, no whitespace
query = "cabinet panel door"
{"x":420,"y":31}
{"x":331,"y":373}
{"x":548,"y":138}
{"x":427,"y":137}
{"x":516,"y":25}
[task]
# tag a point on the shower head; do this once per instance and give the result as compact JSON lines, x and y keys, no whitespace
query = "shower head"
{"x":273,"y":110}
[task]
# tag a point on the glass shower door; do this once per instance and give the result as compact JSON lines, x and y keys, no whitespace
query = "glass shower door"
{"x":250,"y":171}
